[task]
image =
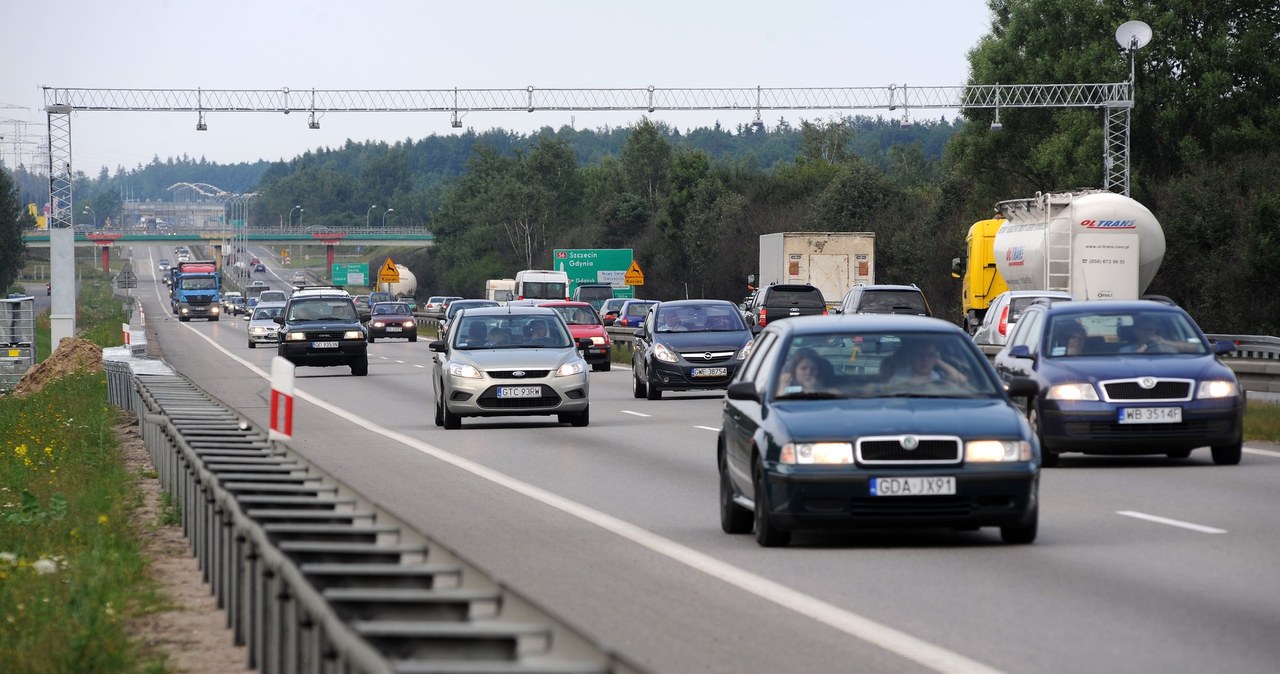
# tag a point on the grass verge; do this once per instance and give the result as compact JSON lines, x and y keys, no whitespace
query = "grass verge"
{"x":72,"y":571}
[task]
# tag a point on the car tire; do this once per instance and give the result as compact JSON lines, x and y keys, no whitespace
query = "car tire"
{"x":183,"y":319}
{"x":652,"y":392}
{"x":360,"y":368}
{"x":439,"y":413}
{"x":1228,"y":455}
{"x":767,"y":534}
{"x":1024,"y":532}
{"x":1048,"y":458}
{"x":413,"y":338}
{"x":448,"y":419}
{"x":638,"y":389}
{"x":577,"y":419}
{"x":734,"y":519}
{"x":252,"y":345}
{"x":601,"y":367}
{"x":371,"y":338}
{"x":213,"y":320}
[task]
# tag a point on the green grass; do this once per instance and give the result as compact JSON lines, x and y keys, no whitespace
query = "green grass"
{"x":72,"y":573}
{"x":1262,"y":421}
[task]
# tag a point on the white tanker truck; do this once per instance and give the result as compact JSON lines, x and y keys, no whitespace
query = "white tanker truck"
{"x":407,"y":286}
{"x":1093,"y":244}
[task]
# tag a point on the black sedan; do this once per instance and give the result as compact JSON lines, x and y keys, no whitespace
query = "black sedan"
{"x":392,"y":319}
{"x":874,"y":422}
{"x":688,"y":345}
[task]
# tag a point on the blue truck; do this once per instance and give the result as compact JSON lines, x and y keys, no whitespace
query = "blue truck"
{"x":195,"y":290}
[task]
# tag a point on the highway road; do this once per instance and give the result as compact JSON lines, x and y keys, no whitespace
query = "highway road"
{"x":1142,"y":564}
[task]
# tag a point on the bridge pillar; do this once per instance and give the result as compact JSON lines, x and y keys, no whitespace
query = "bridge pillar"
{"x":106,"y":258}
{"x":328,"y":256}
{"x":62,"y":268}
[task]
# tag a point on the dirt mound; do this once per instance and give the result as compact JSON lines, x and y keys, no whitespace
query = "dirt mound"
{"x":72,"y":355}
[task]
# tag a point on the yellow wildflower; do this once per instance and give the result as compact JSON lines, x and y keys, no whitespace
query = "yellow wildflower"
{"x":102,"y":519}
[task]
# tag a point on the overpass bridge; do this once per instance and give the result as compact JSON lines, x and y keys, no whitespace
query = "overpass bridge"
{"x":268,"y":236}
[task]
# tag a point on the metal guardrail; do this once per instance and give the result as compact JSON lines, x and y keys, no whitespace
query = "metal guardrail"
{"x":314,"y":577}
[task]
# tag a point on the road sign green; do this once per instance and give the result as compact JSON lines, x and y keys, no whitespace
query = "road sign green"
{"x":595,"y":265}
{"x":350,"y":273}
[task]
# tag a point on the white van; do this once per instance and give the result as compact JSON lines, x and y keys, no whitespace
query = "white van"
{"x":542,"y":284}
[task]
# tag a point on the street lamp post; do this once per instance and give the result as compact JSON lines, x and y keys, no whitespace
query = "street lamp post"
{"x":90,"y":211}
{"x":366,"y":215}
{"x":295,"y":208}
{"x":384,"y":216}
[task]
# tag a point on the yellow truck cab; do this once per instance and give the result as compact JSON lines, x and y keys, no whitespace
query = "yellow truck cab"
{"x":978,"y":273}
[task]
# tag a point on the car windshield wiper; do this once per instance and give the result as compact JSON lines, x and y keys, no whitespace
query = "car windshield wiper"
{"x":810,"y":395}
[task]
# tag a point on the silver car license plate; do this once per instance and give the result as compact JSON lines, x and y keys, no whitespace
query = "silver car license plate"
{"x":519,"y":391}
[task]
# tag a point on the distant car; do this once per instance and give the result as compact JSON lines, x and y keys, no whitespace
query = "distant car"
{"x":885,"y":299}
{"x":299,"y":276}
{"x":505,"y":361}
{"x":165,"y":263}
{"x":585,"y":323}
{"x":272,"y":296}
{"x":1003,"y":312}
{"x":259,"y":283}
{"x":263,"y":328}
{"x":688,"y":345}
{"x":260,"y":268}
{"x":362,"y":307}
{"x":235,"y":305}
{"x":609,"y":309}
{"x":458,"y":305}
{"x":632,"y":313}
{"x":380,"y":296}
{"x":1125,"y":378}
{"x":434,"y":306}
{"x":784,"y":300}
{"x":594,"y":294}
{"x":392,"y":319}
{"x":817,"y":433}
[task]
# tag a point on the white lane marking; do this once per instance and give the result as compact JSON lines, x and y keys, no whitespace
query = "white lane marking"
{"x":418,"y":365}
{"x":1173,"y":523}
{"x":708,"y":428}
{"x":905,"y":645}
{"x":1262,"y":452}
{"x":636,"y":414}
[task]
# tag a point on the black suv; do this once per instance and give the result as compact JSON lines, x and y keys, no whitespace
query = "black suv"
{"x":784,"y":300}
{"x":885,"y":299}
{"x":320,"y":327}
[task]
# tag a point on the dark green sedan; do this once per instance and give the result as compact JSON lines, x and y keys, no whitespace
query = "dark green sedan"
{"x":875,"y":422}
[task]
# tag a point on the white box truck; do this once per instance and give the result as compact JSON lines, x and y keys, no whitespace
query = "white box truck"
{"x":834,"y":262}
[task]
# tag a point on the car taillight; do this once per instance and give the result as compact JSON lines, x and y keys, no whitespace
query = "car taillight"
{"x":762,"y":317}
{"x":1004,"y":321}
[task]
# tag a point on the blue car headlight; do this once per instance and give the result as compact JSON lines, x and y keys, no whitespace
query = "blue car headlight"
{"x":816,"y":453}
{"x":1073,"y":391}
{"x":996,"y":451}
{"x":1216,"y":389}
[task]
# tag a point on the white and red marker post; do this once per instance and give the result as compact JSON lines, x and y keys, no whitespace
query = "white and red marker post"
{"x":281,"y":399}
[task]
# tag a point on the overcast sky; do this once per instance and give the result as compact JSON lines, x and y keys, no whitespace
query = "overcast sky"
{"x":476,"y":44}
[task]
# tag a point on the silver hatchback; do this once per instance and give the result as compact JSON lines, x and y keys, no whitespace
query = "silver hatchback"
{"x":1003,"y":312}
{"x":510,"y":361}
{"x":263,"y":328}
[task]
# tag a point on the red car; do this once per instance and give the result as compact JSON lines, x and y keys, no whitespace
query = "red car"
{"x":584,"y":322}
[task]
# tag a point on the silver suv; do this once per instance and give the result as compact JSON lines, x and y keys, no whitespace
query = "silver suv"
{"x":885,"y":299}
{"x":1003,"y":312}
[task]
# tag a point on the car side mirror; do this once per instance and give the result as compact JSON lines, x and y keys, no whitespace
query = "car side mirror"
{"x":278,"y":319}
{"x":1223,"y":346}
{"x":438,"y":346}
{"x":584,"y":343}
{"x":1023,"y":387}
{"x":640,"y":332}
{"x":1020,"y":351}
{"x":742,"y":390}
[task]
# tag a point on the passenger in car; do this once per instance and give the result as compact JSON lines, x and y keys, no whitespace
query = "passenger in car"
{"x":920,"y":363}
{"x":1149,"y":339}
{"x":806,"y":372}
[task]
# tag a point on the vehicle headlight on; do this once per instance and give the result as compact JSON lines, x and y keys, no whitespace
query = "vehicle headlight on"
{"x":1216,"y":389}
{"x":1072,"y":392}
{"x":378,"y":324}
{"x":353,"y":334}
{"x":409,"y":324}
{"x":995,"y":451}
{"x":570,"y":369}
{"x":662,"y":353}
{"x":816,"y":453}
{"x":186,"y":310}
{"x":258,"y":331}
{"x":213,"y":310}
{"x":296,"y":336}
{"x":746,"y":350}
{"x":463,"y":370}
{"x":599,"y":341}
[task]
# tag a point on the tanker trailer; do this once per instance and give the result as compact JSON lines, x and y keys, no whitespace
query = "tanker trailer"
{"x":1093,"y":244}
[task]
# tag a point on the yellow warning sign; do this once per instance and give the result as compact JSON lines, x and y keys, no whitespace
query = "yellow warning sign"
{"x":389,"y":273}
{"x":634,"y":277}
